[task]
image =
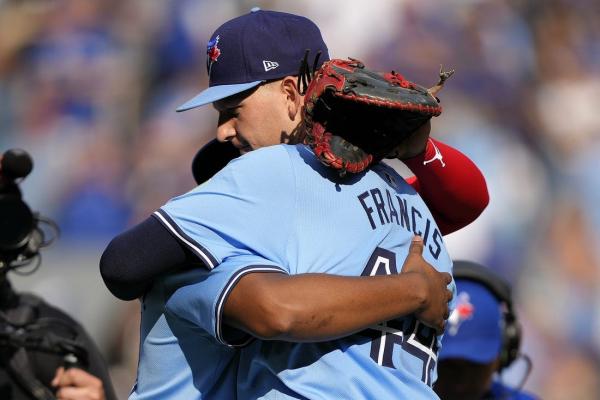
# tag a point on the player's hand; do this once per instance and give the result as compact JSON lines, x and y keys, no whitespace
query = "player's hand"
{"x":77,"y":384}
{"x":434,"y":311}
{"x":414,"y":145}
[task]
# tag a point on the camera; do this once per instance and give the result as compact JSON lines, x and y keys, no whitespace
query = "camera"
{"x":21,"y":233}
{"x":28,"y":325}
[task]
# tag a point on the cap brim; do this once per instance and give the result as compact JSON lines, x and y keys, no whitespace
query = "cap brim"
{"x":478,"y":350}
{"x":216,"y":93}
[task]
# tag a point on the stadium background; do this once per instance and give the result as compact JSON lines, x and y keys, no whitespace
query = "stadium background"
{"x":89,"y":88}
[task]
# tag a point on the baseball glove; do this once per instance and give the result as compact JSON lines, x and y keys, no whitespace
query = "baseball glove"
{"x":355,"y":117}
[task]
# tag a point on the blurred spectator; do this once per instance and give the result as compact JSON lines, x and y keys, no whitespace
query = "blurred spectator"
{"x":482,"y":338}
{"x":94,"y":204}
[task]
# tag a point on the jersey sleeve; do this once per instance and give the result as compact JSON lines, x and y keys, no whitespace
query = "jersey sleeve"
{"x":201,"y":302}
{"x":451,"y":185}
{"x":244,"y":209}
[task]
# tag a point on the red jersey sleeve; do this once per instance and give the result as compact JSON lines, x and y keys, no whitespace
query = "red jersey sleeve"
{"x":451,"y":185}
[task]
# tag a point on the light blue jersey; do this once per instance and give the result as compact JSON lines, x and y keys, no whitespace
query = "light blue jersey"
{"x":282,"y":205}
{"x":179,"y":360}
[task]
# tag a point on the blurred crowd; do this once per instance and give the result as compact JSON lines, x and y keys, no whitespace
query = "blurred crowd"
{"x":89,"y":88}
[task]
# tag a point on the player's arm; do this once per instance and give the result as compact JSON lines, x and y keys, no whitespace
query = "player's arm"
{"x":133,"y":259}
{"x":304,"y":307}
{"x":318,"y":307}
{"x":310,"y":307}
{"x":455,"y":191}
{"x":451,"y":185}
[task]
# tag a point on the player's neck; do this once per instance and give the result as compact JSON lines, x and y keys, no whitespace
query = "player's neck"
{"x":296,"y":136}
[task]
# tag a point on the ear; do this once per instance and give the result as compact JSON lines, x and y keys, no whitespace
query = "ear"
{"x":294,"y":99}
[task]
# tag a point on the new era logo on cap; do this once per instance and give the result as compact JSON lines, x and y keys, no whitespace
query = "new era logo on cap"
{"x":269,"y":65}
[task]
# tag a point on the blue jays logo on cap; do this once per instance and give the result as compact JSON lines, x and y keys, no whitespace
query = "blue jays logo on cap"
{"x":212,"y":53}
{"x":464,"y":311}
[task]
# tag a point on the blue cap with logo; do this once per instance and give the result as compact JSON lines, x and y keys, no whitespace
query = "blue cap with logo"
{"x":253,"y":48}
{"x":474,"y":329}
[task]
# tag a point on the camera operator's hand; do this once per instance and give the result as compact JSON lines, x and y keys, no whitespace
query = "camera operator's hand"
{"x":76,"y":384}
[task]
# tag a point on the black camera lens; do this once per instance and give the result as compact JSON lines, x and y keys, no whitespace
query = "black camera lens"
{"x":15,"y":163}
{"x":16,"y":222}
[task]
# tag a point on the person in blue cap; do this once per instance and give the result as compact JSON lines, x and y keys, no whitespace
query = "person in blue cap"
{"x":266,"y":229}
{"x":482,"y":338}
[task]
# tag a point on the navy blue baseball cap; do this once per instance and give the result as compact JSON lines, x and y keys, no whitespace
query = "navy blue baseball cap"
{"x":253,"y":48}
{"x":474,"y":329}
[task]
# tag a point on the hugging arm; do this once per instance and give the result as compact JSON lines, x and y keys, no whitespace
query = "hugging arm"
{"x":304,"y":307}
{"x":451,"y":185}
{"x":453,"y":188}
{"x":265,"y":303}
{"x":133,"y":259}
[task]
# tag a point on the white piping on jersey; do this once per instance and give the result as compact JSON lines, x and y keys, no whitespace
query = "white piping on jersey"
{"x":437,"y":156}
{"x":199,"y":251}
{"x":225,"y":292}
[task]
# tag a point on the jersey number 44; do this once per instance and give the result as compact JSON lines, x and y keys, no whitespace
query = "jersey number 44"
{"x":405,"y":334}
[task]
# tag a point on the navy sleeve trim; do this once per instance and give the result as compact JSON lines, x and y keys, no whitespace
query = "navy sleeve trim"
{"x":225,"y":294}
{"x":209,"y":260}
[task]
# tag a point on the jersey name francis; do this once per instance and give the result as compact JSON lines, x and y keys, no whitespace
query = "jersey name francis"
{"x":382,"y":209}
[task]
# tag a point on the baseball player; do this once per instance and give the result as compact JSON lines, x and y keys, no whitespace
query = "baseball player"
{"x":322,"y":227}
{"x":255,"y":112}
